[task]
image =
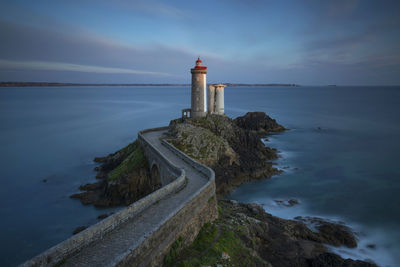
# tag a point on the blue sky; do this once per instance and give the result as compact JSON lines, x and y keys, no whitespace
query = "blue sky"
{"x":344,"y":42}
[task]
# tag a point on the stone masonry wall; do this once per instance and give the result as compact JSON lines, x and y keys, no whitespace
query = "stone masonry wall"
{"x":185,"y":222}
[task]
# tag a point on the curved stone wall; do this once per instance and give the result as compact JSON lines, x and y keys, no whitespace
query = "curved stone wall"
{"x":168,"y":171}
{"x":73,"y":244}
{"x":185,"y":220}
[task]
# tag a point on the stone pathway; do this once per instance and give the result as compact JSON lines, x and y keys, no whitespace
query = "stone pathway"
{"x":127,"y":236}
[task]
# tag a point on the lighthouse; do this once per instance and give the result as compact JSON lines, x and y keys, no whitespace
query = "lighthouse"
{"x":199,"y":85}
{"x":216,"y":99}
{"x":199,"y":95}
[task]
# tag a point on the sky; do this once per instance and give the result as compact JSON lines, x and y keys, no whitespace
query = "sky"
{"x":313,"y":42}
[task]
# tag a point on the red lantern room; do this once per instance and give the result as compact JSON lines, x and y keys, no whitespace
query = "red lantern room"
{"x":198,"y":64}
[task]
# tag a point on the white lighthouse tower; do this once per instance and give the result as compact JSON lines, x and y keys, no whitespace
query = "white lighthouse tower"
{"x":199,"y":85}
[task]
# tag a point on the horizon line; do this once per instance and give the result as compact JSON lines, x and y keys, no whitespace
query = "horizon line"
{"x":50,"y":84}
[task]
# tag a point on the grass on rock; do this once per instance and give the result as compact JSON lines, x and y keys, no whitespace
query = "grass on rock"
{"x":213,"y":240}
{"x":134,"y":161}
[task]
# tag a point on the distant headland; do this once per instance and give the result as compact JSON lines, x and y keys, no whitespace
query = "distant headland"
{"x":53,"y":84}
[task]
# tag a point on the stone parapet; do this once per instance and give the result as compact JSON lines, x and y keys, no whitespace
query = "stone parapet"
{"x":184,"y":219}
{"x":94,"y":233}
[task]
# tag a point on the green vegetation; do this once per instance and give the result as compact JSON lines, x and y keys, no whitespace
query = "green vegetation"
{"x":204,"y":150}
{"x":211,"y":243}
{"x":173,"y":253}
{"x":185,"y":148}
{"x":134,"y":161}
{"x":129,"y":148}
{"x":204,"y":122}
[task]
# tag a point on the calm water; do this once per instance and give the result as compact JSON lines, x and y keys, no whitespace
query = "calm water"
{"x":339,"y":156}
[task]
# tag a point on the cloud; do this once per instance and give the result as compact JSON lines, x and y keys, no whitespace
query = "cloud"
{"x":59,"y":66}
{"x":336,"y":50}
{"x":341,"y":8}
{"x":153,"y":7}
{"x":79,"y":48}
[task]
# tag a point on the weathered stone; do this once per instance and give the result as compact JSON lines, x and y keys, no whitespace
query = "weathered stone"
{"x":286,"y":242}
{"x":258,"y":122}
{"x":142,"y":233}
{"x":239,"y":155}
{"x":122,"y":189}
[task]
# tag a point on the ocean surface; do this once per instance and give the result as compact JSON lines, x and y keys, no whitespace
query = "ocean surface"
{"x":339,"y":157}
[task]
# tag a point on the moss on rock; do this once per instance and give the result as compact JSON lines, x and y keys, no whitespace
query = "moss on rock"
{"x":235,"y":154}
{"x":134,"y":161}
{"x":245,"y":235}
{"x":215,"y":244}
{"x":201,"y":144}
{"x":124,"y":178}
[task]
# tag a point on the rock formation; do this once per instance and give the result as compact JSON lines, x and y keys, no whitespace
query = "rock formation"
{"x":235,"y":153}
{"x":258,"y":122}
{"x":245,"y":235}
{"x":124,"y":178}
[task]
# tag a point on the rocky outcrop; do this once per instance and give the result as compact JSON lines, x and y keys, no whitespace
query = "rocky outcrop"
{"x":235,"y":154}
{"x":202,"y":144}
{"x":258,"y":122}
{"x":124,"y":178}
{"x":245,"y":235}
{"x":251,"y":237}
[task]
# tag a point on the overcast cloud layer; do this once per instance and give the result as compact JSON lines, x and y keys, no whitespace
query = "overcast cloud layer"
{"x":345,"y":42}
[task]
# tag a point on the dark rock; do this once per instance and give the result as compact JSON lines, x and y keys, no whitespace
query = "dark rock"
{"x":255,"y":208}
{"x":87,"y":198}
{"x":100,"y":159}
{"x":125,"y":187}
{"x":281,"y":242}
{"x":103,"y":216}
{"x":79,"y":229}
{"x":336,"y":234}
{"x":287,"y":203}
{"x":258,"y":122}
{"x":92,"y":187}
{"x":371,"y":246}
{"x":333,"y":260}
{"x":44,"y":180}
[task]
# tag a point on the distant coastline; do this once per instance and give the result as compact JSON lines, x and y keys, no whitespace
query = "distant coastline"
{"x":48,"y":84}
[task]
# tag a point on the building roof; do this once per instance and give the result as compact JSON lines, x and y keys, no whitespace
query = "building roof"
{"x":198,"y":64}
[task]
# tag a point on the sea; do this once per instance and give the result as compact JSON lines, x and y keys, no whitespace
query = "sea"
{"x":339,"y":157}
